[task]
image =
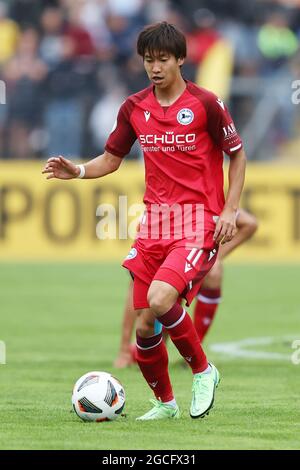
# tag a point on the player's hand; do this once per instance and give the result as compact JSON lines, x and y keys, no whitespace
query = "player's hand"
{"x":61,"y":168}
{"x":226,"y":226}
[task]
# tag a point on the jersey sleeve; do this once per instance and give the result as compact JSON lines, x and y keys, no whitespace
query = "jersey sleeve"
{"x":122,"y":136}
{"x":221,"y":127}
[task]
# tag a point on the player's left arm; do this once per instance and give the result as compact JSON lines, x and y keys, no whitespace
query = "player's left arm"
{"x":246,"y":225}
{"x":221,"y":128}
{"x":226,"y":225}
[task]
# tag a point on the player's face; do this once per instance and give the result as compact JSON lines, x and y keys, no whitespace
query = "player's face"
{"x":162,"y":69}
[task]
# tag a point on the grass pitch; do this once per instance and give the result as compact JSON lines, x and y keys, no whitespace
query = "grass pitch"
{"x":60,"y":321}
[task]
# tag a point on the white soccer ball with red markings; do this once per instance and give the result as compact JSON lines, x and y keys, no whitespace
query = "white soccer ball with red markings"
{"x":98,"y":396}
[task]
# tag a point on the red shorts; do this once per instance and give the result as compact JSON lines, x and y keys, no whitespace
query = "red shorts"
{"x":176,"y":262}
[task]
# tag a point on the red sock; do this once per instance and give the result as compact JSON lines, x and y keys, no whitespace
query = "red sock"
{"x":184,"y":335}
{"x":205,"y":310}
{"x":152,"y":358}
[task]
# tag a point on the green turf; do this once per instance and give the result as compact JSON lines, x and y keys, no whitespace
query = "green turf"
{"x":60,"y":321}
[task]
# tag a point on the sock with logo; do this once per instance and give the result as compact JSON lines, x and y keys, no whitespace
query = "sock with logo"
{"x":205,"y":310}
{"x":152,"y":358}
{"x":183,"y":334}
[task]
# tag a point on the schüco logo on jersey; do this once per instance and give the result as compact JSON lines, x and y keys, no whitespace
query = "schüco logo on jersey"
{"x":169,"y":138}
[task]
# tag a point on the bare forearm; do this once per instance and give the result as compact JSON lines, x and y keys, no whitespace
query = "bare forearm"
{"x":64,"y":169}
{"x":101,"y":166}
{"x":236,"y":176}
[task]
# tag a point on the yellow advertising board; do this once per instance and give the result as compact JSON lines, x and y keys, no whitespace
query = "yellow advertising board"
{"x":56,"y":220}
{"x":63,"y":220}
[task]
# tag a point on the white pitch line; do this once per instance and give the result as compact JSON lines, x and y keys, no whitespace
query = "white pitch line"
{"x":236,"y":349}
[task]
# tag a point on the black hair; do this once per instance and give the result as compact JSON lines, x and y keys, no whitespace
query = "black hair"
{"x":159,"y":38}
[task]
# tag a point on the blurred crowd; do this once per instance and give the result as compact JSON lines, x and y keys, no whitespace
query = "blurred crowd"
{"x":68,"y":64}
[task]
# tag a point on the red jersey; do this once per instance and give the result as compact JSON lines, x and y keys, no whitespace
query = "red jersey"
{"x":182,"y":145}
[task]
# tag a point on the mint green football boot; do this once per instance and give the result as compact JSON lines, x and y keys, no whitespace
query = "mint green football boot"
{"x":160,"y":411}
{"x":203,"y":392}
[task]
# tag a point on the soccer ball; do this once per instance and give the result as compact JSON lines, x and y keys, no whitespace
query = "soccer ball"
{"x":98,"y":396}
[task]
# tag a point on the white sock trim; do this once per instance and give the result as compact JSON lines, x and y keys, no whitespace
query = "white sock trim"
{"x":150,"y":347}
{"x":178,"y":321}
{"x":208,"y":300}
{"x":205,"y":371}
{"x":171,"y":403}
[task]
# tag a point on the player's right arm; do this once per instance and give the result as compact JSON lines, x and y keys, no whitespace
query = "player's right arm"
{"x":62,"y":168}
{"x":117,"y":146}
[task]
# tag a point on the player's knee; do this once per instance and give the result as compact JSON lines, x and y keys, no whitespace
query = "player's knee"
{"x":161,"y":297}
{"x":157,"y":303}
{"x":248,"y":224}
{"x":252,"y":225}
{"x":144,"y":332}
{"x":145,"y":327}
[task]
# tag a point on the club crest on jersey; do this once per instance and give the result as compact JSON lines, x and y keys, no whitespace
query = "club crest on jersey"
{"x":132,"y":253}
{"x":185,"y":116}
